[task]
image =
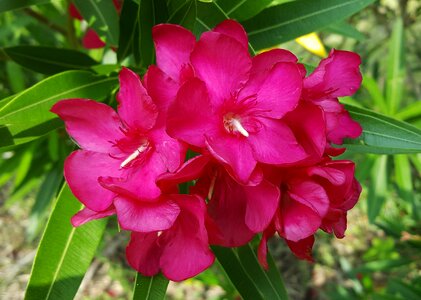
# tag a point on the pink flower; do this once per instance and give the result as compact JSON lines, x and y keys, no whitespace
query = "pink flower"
{"x":236,"y":104}
{"x":336,"y":76}
{"x":181,"y":251}
{"x":236,"y":212}
{"x":120,"y":151}
{"x":311,"y":198}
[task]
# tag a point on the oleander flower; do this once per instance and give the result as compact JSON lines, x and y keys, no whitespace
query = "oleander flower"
{"x":120,"y":158}
{"x":179,"y":252}
{"x":236,"y":103}
{"x":312,"y":197}
{"x":336,"y":76}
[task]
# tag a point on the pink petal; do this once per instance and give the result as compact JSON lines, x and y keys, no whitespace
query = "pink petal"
{"x":85,"y":215}
{"x":91,"y":40}
{"x":226,"y":149}
{"x":336,"y":76}
{"x":145,"y":173}
{"x":95,"y":126}
{"x":135,"y":108}
{"x":191,"y":115}
{"x":262,"y":202}
{"x":277,"y":90}
{"x":302,"y":248}
{"x":143,"y":253}
{"x":161,"y":88}
{"x":275,"y":143}
{"x":145,"y":216}
{"x":262,"y":249}
{"x":190,"y":170}
{"x":173,"y":46}
{"x":336,"y":177}
{"x":82,"y":170}
{"x":310,"y":194}
{"x":265,"y":61}
{"x":308,"y":124}
{"x":222,"y":63}
{"x":186,"y":252}
{"x":234,"y":30}
{"x":227,"y":208}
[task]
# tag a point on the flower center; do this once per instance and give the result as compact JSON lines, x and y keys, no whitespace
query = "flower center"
{"x":232,"y":123}
{"x":135,"y":154}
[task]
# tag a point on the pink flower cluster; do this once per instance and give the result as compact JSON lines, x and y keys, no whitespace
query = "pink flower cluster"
{"x":260,"y":133}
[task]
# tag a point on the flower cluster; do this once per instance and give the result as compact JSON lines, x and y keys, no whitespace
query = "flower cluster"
{"x":260,"y":135}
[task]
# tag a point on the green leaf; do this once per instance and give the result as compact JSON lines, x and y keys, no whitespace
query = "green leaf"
{"x":64,"y":253}
{"x":232,"y":265}
{"x":6,"y":5}
{"x":269,"y":283}
{"x":102,"y":17}
{"x":395,"y":68}
{"x":345,"y":29}
{"x":49,"y":60}
{"x":412,"y":111}
{"x":27,"y":116}
{"x":241,"y":10}
{"x":281,"y":23}
{"x":182,"y":12}
{"x":150,"y":13}
{"x":46,"y":193}
{"x":15,"y":76}
{"x":380,"y":266}
{"x":375,"y":93}
{"x":403,"y":175}
{"x":150,"y":288}
{"x":382,"y":134}
{"x":128,"y":24}
{"x":378,"y":191}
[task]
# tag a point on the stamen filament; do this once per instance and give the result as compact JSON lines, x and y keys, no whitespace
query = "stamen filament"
{"x":239,"y":127}
{"x":133,"y":156}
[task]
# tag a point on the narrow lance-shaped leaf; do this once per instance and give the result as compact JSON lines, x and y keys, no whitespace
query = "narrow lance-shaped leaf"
{"x":27,"y":116}
{"x":6,"y":5}
{"x":49,"y":60}
{"x":378,"y":191}
{"x":382,"y":134}
{"x":102,"y":17}
{"x":64,"y":253}
{"x":150,"y":288}
{"x":395,"y":68}
{"x":281,"y":23}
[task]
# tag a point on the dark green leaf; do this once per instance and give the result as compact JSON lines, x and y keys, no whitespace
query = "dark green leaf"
{"x":27,"y":116}
{"x":102,"y":17}
{"x":6,"y":5}
{"x":183,"y":12}
{"x":281,"y":23}
{"x":128,"y":23}
{"x":380,"y":266}
{"x":150,"y":288}
{"x":15,"y":76}
{"x":49,"y":60}
{"x":382,"y":134}
{"x":232,"y":265}
{"x":241,"y":10}
{"x":64,"y":253}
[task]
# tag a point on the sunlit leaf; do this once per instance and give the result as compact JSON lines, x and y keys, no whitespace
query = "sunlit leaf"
{"x":150,"y":288}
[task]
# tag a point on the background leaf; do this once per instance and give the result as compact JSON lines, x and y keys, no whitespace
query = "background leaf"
{"x":49,"y":60}
{"x":6,"y":5}
{"x":102,"y":17}
{"x":64,"y":253}
{"x":281,"y":23}
{"x":150,"y":288}
{"x":382,"y":134}
{"x":27,"y":116}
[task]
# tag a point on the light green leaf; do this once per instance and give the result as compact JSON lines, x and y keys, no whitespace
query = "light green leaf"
{"x":395,"y":68}
{"x":64,"y":253}
{"x":378,"y":191}
{"x":412,"y":111}
{"x":16,"y":77}
{"x":345,"y":29}
{"x":150,"y":288}
{"x":382,"y":134}
{"x":281,"y":23}
{"x":102,"y":17}
{"x":6,"y":5}
{"x":375,"y":93}
{"x":27,"y":116}
{"x":49,"y":60}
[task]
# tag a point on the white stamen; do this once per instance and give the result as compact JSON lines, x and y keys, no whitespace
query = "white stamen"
{"x":133,"y":156}
{"x":239,"y":127}
{"x":159,"y":233}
